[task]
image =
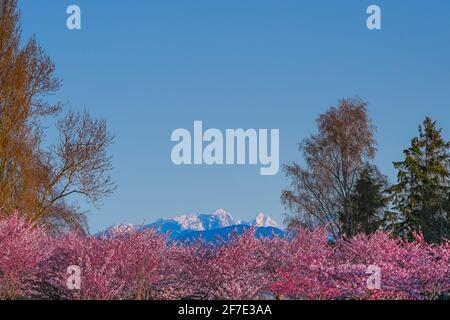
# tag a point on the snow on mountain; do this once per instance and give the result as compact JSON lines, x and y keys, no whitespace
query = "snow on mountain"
{"x":198,"y":222}
{"x":214,"y":227}
{"x":205,"y":222}
{"x":263,"y":220}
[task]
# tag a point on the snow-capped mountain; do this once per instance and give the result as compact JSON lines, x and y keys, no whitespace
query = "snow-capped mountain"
{"x":263,"y":220}
{"x":196,"y":222}
{"x":205,"y":222}
{"x":215,"y":227}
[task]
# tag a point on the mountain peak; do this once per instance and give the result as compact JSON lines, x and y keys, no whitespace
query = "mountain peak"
{"x":218,"y":219}
{"x":262,"y":220}
{"x":221,"y":213}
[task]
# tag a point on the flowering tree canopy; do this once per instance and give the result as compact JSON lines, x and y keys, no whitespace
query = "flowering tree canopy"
{"x":126,"y":263}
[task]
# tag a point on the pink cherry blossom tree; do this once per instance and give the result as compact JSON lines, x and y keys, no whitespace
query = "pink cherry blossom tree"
{"x":137,"y":263}
{"x":238,"y":269}
{"x":24,"y":247}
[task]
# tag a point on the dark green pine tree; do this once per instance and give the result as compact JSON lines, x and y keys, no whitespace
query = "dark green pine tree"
{"x":421,"y":196}
{"x":368,"y":203}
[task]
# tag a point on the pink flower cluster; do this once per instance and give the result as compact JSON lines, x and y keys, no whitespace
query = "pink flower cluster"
{"x":130,"y":264}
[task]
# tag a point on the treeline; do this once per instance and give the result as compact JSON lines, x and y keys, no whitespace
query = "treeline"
{"x":340,"y":186}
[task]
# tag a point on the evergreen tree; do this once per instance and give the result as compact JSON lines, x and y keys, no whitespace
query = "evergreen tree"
{"x":368,"y":203}
{"x":421,"y":195}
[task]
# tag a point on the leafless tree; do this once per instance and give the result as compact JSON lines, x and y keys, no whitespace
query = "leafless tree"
{"x":37,"y":181}
{"x":320,"y":192}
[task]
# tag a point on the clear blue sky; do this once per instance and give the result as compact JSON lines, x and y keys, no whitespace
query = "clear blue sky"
{"x":150,"y":67}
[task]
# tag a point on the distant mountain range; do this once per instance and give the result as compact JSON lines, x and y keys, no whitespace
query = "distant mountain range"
{"x":211,"y":227}
{"x":218,"y":225}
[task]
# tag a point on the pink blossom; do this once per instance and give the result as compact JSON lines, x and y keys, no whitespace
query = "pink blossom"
{"x":127,"y":263}
{"x":23,"y":250}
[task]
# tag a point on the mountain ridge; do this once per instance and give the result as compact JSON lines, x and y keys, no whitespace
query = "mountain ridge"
{"x":218,"y":226}
{"x":205,"y":222}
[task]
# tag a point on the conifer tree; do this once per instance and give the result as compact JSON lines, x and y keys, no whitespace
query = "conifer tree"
{"x":368,"y":203}
{"x":421,"y":195}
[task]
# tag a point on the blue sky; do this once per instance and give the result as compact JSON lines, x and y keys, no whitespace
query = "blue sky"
{"x":149,"y":67}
